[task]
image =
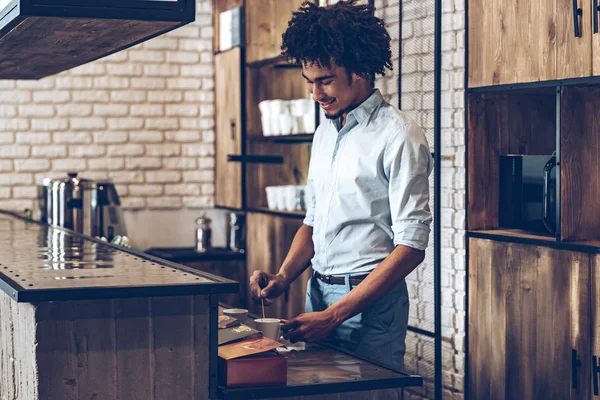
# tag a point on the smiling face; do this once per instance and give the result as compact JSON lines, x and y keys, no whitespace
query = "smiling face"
{"x":336,"y":91}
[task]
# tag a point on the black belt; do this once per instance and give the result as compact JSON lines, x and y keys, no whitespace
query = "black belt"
{"x":340,"y":280}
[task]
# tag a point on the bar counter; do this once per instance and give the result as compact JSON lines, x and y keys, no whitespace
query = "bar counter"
{"x":84,"y":319}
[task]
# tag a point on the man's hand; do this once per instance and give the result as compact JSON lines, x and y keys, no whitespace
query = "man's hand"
{"x":264,"y":285}
{"x":310,"y":327}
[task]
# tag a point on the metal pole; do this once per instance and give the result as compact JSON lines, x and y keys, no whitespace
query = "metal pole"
{"x":437,"y":200}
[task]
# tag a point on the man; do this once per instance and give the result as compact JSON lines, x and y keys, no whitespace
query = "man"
{"x":368,"y":217}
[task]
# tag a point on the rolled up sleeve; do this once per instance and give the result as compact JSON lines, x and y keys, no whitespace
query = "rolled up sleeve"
{"x":408,"y":164}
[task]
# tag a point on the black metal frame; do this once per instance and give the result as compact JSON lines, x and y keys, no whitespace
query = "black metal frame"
{"x":437,"y":229}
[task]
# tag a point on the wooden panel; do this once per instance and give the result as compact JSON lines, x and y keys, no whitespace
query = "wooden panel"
{"x":520,"y":123}
{"x":290,"y":85}
{"x":580,"y":164}
{"x":269,"y":239}
{"x":133,"y":333}
{"x":294,"y":170}
{"x":511,"y":41}
{"x":95,"y":349}
{"x":574,"y":54}
{"x":123,"y":349}
{"x":18,"y":375}
{"x":172,"y":346}
{"x":595,"y":316}
{"x":220,"y":6}
{"x":43,"y":46}
{"x":528,"y":308}
{"x":266,"y":21}
{"x":595,"y":52}
{"x":228,"y":128}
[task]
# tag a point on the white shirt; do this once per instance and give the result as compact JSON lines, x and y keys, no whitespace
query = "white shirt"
{"x":368,"y":188}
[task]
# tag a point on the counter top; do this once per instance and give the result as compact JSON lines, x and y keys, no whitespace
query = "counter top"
{"x":45,"y":263}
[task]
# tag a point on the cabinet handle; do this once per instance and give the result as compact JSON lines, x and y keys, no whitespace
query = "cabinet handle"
{"x":577,"y":12}
{"x":595,"y":371}
{"x":575,"y":363}
{"x":596,"y":10}
{"x":233,"y":129}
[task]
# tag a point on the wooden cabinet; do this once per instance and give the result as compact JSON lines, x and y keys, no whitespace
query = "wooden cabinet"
{"x":529,"y":324}
{"x":266,"y":20}
{"x":511,"y":41}
{"x":527,"y":41}
{"x":268,"y":241}
{"x":228,"y":128}
{"x":574,"y":53}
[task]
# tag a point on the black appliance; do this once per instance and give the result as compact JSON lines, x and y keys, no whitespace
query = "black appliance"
{"x":528,"y":193}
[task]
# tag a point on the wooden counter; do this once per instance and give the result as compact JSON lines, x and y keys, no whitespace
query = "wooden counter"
{"x":83,"y":319}
{"x":323,"y":372}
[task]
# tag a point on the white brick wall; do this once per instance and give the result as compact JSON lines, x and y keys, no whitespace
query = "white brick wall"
{"x":143,"y":117}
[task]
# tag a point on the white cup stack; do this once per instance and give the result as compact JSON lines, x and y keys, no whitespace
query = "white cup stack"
{"x":287,"y":117}
{"x":286,"y":198}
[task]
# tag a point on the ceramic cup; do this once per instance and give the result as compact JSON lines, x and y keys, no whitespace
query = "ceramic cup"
{"x":271,"y":197}
{"x":286,"y":124}
{"x":238,"y":313}
{"x":280,"y":194}
{"x":270,"y":327}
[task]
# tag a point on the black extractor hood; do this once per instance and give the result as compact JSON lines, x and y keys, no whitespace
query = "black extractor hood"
{"x":39,"y":38}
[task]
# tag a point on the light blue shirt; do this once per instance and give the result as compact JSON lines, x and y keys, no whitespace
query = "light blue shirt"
{"x":368,"y":188}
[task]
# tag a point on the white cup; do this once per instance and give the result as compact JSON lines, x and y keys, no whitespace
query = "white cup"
{"x":298,"y":124}
{"x":276,"y":107}
{"x":298,"y":107}
{"x":271,"y":197}
{"x":238,"y":313}
{"x":290,"y":197}
{"x":267,"y":126}
{"x":285,"y":124}
{"x":308,"y":123}
{"x":280,"y":197}
{"x":275,"y":122}
{"x":265,"y":107}
{"x":270,"y":327}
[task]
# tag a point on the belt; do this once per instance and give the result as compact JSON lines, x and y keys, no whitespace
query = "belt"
{"x":340,"y":280}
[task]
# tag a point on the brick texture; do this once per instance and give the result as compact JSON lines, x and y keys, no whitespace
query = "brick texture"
{"x":141,"y":117}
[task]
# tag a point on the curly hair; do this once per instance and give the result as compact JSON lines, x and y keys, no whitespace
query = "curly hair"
{"x":345,"y":34}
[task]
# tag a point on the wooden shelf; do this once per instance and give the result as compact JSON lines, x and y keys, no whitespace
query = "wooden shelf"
{"x":521,"y":236}
{"x":297,"y":138}
{"x":263,"y":210}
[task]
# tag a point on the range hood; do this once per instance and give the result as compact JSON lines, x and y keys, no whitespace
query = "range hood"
{"x":39,"y":38}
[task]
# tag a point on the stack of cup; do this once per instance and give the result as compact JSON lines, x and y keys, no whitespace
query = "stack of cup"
{"x":287,"y":117}
{"x":286,"y":198}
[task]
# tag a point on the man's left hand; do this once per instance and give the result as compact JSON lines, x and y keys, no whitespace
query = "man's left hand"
{"x":310,"y":327}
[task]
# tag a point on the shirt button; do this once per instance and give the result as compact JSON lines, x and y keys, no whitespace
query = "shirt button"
{"x":335,"y":158}
{"x":330,"y":188}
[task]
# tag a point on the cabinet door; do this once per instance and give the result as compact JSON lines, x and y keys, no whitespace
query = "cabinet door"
{"x":574,"y":53}
{"x":511,"y":41}
{"x":228,"y":128}
{"x":595,"y":43}
{"x":528,"y":322}
{"x":266,"y":20}
{"x":268,"y":240}
{"x":595,"y":317}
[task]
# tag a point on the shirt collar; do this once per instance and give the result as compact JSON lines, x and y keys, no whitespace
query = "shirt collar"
{"x":366,"y":108}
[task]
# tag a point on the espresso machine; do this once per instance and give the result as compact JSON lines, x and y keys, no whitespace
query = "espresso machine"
{"x":84,"y":206}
